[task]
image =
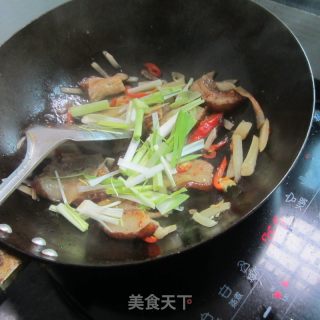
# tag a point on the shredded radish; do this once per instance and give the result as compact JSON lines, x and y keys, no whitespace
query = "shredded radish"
{"x":230,"y":171}
{"x":211,"y":137}
{"x":237,"y":156}
{"x":71,"y":90}
{"x":142,"y":82}
{"x":260,"y":118}
{"x":228,"y":125}
{"x":243,"y":129}
{"x":132,"y":79}
{"x":249,"y":163}
{"x":25,"y":189}
{"x":203,"y":220}
{"x":264,"y":135}
{"x":34,"y":194}
{"x":215,"y":210}
{"x":99,"y":69}
{"x":162,"y":232}
{"x":111,"y":59}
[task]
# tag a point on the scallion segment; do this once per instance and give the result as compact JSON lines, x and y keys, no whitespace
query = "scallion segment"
{"x":172,"y":203}
{"x":185,"y":97}
{"x":71,"y":215}
{"x":185,"y":122}
{"x":140,"y":107}
{"x":114,"y":125}
{"x":81,"y":110}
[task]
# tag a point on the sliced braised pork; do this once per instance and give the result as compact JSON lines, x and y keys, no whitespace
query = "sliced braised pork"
{"x":98,"y":88}
{"x":135,"y":224}
{"x":198,"y":175}
{"x":216,"y":99}
{"x":70,"y":167}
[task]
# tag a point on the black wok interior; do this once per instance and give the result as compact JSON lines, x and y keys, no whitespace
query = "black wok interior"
{"x":238,"y":39}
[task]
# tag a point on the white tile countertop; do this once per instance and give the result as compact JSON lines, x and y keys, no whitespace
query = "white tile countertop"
{"x":16,"y":14}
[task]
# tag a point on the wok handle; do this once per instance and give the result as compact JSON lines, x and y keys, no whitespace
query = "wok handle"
{"x":37,"y":150}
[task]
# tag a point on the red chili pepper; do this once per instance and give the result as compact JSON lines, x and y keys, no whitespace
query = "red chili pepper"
{"x":210,"y":155}
{"x":153,"y":250}
{"x":212,"y":152}
{"x":113,"y":102}
{"x":219,"y":174}
{"x":118,"y":101}
{"x":205,"y":126}
{"x":137,"y":94}
{"x":126,"y":89}
{"x":183,"y":167}
{"x":69,"y":118}
{"x":150,"y":239}
{"x":153,"y":69}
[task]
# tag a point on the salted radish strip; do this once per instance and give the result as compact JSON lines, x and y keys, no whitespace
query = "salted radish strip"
{"x":264,"y":135}
{"x":203,"y":220}
{"x":255,"y":104}
{"x":211,"y":137}
{"x":162,"y":232}
{"x":228,"y":125}
{"x":243,"y":129}
{"x":230,"y":171}
{"x":99,"y":69}
{"x":67,"y":90}
{"x":111,"y":59}
{"x":250,"y":161}
{"x":237,"y":153}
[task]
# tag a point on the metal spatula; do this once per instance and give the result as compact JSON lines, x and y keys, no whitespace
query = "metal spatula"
{"x":40,"y":142}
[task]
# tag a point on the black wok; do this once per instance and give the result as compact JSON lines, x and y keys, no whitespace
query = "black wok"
{"x":237,"y":38}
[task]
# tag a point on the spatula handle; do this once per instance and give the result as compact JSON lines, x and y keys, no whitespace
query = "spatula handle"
{"x":36,"y":152}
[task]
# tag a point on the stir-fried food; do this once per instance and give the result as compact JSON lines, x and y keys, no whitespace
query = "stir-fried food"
{"x":181,"y":140}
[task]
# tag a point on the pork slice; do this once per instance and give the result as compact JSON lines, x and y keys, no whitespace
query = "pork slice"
{"x":99,"y":88}
{"x":135,"y":224}
{"x":198,"y":176}
{"x":217,"y":100}
{"x":68,"y":166}
{"x":48,"y":188}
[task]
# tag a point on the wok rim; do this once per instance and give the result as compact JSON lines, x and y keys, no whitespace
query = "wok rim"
{"x":134,"y":263}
